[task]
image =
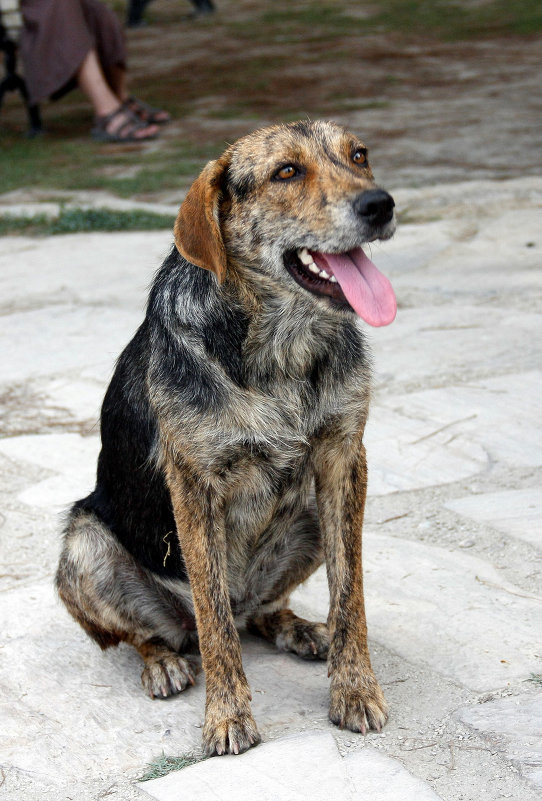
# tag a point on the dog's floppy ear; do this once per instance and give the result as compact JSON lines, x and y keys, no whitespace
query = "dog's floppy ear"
{"x":197,"y":229}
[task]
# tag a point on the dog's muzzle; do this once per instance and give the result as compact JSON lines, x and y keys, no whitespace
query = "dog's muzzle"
{"x":349,"y":279}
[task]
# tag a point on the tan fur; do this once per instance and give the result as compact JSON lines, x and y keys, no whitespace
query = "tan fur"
{"x":197,"y":231}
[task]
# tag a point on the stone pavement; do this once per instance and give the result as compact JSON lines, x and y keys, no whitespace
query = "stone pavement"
{"x":453,"y":536}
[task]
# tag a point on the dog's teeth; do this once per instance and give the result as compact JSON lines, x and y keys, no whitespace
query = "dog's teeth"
{"x":313,"y":268}
{"x":304,"y":256}
{"x":333,"y":279}
{"x":323,"y":274}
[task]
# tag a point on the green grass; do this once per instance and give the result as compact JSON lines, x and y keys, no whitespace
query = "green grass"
{"x":454,"y":21}
{"x":36,"y":225}
{"x":81,"y":164}
{"x":535,"y":677}
{"x":71,"y":221}
{"x":442,"y":19}
{"x":314,"y":21}
{"x":167,"y":764}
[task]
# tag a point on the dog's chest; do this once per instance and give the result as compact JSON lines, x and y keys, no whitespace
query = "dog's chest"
{"x":268,"y":490}
{"x":261,"y":457}
{"x":269,"y":481}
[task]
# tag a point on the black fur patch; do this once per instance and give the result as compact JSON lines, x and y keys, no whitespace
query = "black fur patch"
{"x":131,"y":495}
{"x":240,"y":187}
{"x":302,"y":128}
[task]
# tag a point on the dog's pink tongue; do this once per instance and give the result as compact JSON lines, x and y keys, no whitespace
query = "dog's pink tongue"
{"x":368,"y":291}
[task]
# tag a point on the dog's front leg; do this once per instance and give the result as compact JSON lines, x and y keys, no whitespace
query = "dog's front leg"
{"x":340,"y":467}
{"x":229,"y":725}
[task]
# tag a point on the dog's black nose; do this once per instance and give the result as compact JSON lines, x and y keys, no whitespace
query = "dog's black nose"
{"x":375,"y":206}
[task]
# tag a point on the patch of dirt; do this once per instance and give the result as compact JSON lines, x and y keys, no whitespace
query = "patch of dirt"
{"x":24,"y":410}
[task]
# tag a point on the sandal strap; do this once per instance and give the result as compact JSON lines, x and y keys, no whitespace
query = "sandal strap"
{"x":151,"y":113}
{"x":135,"y":101}
{"x":131,"y":125}
{"x":103,"y":122}
{"x":128,"y":126}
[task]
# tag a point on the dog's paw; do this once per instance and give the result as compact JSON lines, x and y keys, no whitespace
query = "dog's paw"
{"x":307,"y":640}
{"x":167,"y":675}
{"x":358,"y":708}
{"x":230,"y":735}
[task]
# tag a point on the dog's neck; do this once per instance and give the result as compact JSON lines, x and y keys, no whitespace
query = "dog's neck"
{"x":288,"y":334}
{"x":260,"y":336}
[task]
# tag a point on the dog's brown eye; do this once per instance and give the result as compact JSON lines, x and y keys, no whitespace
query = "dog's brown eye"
{"x":288,"y":171}
{"x":360,"y":157}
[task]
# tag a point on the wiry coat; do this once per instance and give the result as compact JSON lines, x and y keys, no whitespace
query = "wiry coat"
{"x":232,"y":460}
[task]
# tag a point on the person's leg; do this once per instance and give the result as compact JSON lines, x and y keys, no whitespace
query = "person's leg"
{"x":111,"y":53}
{"x":92,"y":82}
{"x":117,"y":80}
{"x":104,"y":101}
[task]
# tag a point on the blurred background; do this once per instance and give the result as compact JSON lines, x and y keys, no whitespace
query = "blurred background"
{"x":439,"y":91}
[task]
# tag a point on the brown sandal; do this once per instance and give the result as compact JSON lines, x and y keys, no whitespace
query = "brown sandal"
{"x":126,"y":131}
{"x":149,"y":114}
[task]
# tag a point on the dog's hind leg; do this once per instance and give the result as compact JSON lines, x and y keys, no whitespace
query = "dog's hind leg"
{"x":292,"y":633}
{"x":166,"y":672}
{"x":115,"y":599}
{"x":274,"y":621}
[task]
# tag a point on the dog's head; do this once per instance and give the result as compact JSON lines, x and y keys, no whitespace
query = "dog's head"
{"x":291,"y":206}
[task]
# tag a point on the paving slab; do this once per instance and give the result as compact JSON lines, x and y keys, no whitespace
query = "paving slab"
{"x":71,"y":457}
{"x":27,"y":203}
{"x":294,"y":769}
{"x":95,"y":269}
{"x":515,"y":512}
{"x":446,"y":591}
{"x":434,"y":330}
{"x":66,"y":710}
{"x":54,"y":324}
{"x":498,"y":415}
{"x":448,"y":434}
{"x":513,"y":726}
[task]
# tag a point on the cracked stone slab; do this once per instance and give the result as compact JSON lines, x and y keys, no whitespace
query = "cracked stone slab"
{"x":294,"y":769}
{"x":486,"y":249}
{"x":443,"y":435}
{"x":70,"y":457}
{"x":408,"y":450}
{"x":68,"y":707}
{"x":515,"y":512}
{"x":451,"y":259}
{"x":80,"y":397}
{"x":480,"y":626}
{"x":77,"y":268}
{"x":512,"y":725}
{"x":443,"y":337}
{"x":486,"y":198}
{"x":64,"y":338}
{"x":71,"y":711}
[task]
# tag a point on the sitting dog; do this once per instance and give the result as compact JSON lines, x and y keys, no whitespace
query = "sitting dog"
{"x":232,"y":461}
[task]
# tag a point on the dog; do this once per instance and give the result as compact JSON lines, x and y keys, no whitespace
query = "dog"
{"x":232,"y":461}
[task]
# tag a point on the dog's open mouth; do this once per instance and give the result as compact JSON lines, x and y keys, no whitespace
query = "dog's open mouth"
{"x":348,"y":279}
